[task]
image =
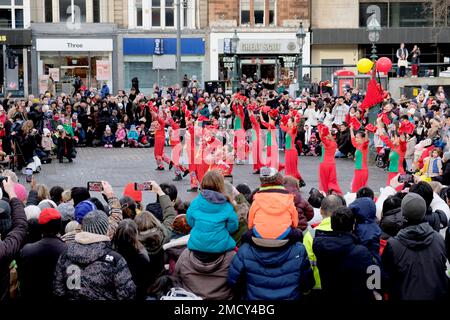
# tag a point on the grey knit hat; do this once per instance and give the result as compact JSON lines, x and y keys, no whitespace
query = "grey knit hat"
{"x":270,"y":176}
{"x":5,"y":217}
{"x":95,"y":222}
{"x":413,"y":207}
{"x":67,"y":211}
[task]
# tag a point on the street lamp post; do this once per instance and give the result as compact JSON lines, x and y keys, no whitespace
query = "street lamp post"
{"x":374,"y":30}
{"x":301,"y":35}
{"x":234,"y":47}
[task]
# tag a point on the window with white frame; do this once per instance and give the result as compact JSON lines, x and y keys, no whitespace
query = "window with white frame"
{"x":257,"y":12}
{"x":72,"y":10}
{"x":148,"y":14}
{"x":156,"y":13}
{"x":138,"y":13}
{"x":11,"y":14}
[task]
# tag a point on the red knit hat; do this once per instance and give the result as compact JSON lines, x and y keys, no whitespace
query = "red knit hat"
{"x":133,"y":194}
{"x":48,"y":214}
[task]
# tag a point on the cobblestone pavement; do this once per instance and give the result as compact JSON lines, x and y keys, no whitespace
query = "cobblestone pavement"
{"x":120,"y":166}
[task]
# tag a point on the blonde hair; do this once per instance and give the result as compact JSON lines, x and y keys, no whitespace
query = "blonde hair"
{"x":11,"y":175}
{"x":27,"y":126}
{"x":72,"y":226}
{"x":42,"y":192}
{"x":66,"y":195}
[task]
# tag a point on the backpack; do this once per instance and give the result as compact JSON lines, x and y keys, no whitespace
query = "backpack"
{"x":180,"y":294}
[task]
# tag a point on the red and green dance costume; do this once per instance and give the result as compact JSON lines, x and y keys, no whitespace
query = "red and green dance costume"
{"x":160,"y":138}
{"x":272,"y":156}
{"x":327,"y":167}
{"x":239,"y":132}
{"x":291,"y":154}
{"x":257,"y":145}
{"x":361,"y":171}
{"x":175,"y":143}
{"x":396,"y":157}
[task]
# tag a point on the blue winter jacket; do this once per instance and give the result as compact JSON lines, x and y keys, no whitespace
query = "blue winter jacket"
{"x":212,"y":219}
{"x":366,"y":228}
{"x":272,"y":273}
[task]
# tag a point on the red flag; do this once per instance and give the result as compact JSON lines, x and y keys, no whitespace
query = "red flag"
{"x":406,"y":127}
{"x":355,"y":123}
{"x":371,"y":128}
{"x":373,"y":95}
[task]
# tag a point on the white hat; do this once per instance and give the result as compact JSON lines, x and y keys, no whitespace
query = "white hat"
{"x":46,"y":131}
{"x":412,"y":111}
{"x":32,"y":212}
{"x":60,"y":128}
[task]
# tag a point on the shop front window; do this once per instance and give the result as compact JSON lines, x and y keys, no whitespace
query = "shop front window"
{"x":68,"y":66}
{"x":163,"y":78}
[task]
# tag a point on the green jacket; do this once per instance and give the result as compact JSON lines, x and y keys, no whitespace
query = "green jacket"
{"x":308,"y":239}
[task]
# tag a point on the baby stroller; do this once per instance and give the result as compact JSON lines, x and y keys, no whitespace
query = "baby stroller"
{"x":382,"y":158}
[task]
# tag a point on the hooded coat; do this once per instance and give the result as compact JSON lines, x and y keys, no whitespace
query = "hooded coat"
{"x":391,"y":223}
{"x":304,"y":209}
{"x":415,"y":264}
{"x":272,"y":273}
{"x":342,"y":264}
{"x":213,"y":220}
{"x":272,"y":213}
{"x":207,"y":279}
{"x":103,"y":273}
{"x":153,"y":239}
{"x":366,"y":228}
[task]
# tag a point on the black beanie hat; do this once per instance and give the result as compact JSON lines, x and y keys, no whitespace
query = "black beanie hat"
{"x":424,"y":190}
{"x":79,"y":194}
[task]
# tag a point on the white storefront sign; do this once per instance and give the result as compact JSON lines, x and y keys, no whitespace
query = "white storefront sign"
{"x":74,"y":44}
{"x":265,"y":46}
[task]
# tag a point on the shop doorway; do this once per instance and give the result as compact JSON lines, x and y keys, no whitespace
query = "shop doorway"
{"x":260,"y":68}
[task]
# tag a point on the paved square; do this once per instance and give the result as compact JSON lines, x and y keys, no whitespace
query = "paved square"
{"x":121,"y":166}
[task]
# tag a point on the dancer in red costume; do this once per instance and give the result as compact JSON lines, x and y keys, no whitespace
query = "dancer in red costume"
{"x":397,"y":144}
{"x":239,"y":132}
{"x":291,"y":154}
{"x":361,"y":143}
{"x":272,"y":158}
{"x":327,"y":167}
{"x":193,"y":133}
{"x":176,"y":150}
{"x":257,"y":147}
{"x":160,"y":138}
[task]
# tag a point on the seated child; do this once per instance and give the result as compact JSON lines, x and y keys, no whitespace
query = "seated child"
{"x":108,"y":138}
{"x":133,"y":137}
{"x":121,"y":136}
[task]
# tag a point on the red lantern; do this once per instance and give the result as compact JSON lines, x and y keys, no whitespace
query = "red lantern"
{"x":384,"y":64}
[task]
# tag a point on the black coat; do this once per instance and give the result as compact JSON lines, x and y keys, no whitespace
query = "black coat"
{"x":414,"y":262}
{"x":344,"y":142}
{"x":36,"y":267}
{"x":391,"y":223}
{"x":11,"y":244}
{"x":342,"y":264}
{"x":140,"y":269}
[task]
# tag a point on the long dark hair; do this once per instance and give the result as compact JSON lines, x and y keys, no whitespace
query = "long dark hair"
{"x":126,"y":238}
